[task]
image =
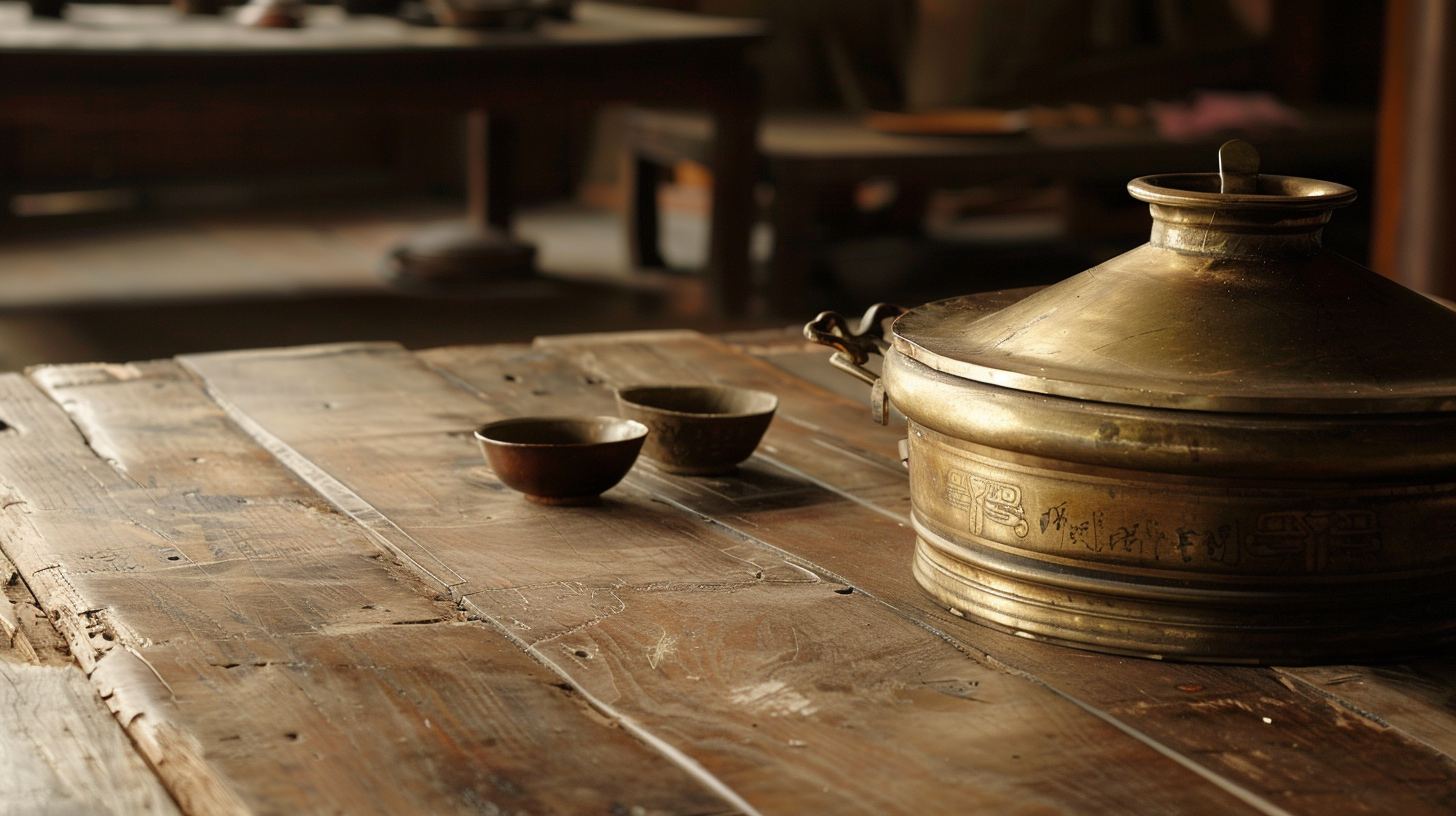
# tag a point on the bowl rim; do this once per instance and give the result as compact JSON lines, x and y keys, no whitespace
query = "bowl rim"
{"x":639,"y":432}
{"x":701,"y":387}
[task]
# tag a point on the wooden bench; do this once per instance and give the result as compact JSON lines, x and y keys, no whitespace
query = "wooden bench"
{"x":804,"y":154}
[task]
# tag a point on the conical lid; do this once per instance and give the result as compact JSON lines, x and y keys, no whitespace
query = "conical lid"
{"x":1233,"y":306}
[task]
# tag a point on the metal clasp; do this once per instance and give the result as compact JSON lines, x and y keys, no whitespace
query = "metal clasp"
{"x":852,"y":348}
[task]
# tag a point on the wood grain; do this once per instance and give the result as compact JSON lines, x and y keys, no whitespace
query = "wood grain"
{"x":262,"y":651}
{"x":1417,"y":699}
{"x":848,"y":520}
{"x":796,"y":692}
{"x":61,"y":752}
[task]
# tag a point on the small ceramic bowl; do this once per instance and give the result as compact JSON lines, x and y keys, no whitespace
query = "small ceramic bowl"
{"x":698,"y":430}
{"x":561,"y":460}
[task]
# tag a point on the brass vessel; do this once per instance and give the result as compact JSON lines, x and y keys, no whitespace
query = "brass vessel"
{"x":1229,"y":444}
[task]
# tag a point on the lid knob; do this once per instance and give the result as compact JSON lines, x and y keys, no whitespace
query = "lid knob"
{"x":1238,"y":212}
{"x":1238,"y":168}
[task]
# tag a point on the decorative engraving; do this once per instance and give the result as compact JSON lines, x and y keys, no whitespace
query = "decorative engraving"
{"x":1217,"y":544}
{"x":1055,"y":517}
{"x":987,"y":500}
{"x":1317,"y":534}
{"x":1126,"y":538}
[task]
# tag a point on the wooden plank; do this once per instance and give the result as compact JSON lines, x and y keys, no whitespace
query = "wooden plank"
{"x":798,"y":693}
{"x":261,"y":650}
{"x":61,"y":752}
{"x":14,"y":645}
{"x":1413,"y":698}
{"x":1308,"y":757}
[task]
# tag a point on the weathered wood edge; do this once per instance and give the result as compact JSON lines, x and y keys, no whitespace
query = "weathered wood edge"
{"x":121,"y":678}
{"x":55,"y":727}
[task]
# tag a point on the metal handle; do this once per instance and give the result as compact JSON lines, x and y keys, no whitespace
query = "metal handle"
{"x":852,"y":348}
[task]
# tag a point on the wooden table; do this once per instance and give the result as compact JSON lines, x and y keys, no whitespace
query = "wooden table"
{"x":290,"y":577}
{"x":123,"y":63}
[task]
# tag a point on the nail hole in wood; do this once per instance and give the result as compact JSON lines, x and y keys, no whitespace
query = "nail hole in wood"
{"x":511,"y":378}
{"x":844,"y":590}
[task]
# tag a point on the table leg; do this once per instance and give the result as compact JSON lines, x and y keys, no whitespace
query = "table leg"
{"x":643,"y":236}
{"x":53,"y":9}
{"x":479,"y":251}
{"x":9,"y":163}
{"x":793,"y":259}
{"x":735,"y":171}
{"x":490,"y":143}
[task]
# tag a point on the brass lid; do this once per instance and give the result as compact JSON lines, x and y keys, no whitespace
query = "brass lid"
{"x":1232,"y":306}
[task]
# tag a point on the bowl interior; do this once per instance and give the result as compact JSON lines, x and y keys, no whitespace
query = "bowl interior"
{"x":556,"y":431}
{"x":711,"y":400}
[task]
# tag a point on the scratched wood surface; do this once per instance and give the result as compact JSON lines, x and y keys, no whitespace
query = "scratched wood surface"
{"x":1308,"y":756}
{"x":261,"y":650}
{"x":795,"y":692}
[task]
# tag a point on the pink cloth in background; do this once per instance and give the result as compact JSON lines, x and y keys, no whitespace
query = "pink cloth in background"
{"x":1213,"y":112}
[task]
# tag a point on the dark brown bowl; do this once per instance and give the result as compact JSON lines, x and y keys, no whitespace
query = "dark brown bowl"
{"x":698,"y":430}
{"x":561,"y":460}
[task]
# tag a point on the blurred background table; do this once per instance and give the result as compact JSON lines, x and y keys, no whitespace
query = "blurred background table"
{"x":119,"y":64}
